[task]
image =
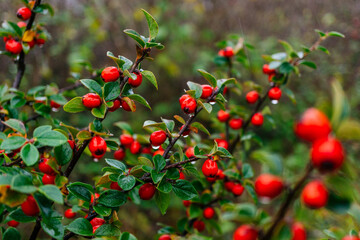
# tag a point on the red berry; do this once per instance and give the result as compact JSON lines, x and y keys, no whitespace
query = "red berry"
{"x":182,"y":175}
{"x":223,"y":116}
{"x":186,"y":132}
{"x":245,"y":232}
{"x":147,"y":191}
{"x":116,"y":105}
{"x":236,"y":123}
{"x":126,"y":140}
{"x":30,"y":207}
{"x":93,"y":198}
{"x":71,"y":143}
{"x":160,"y":151}
{"x":146,"y":150}
{"x":226,"y":89}
{"x":257,"y":119}
{"x":228,"y":52}
{"x":327,"y":154}
{"x":313,"y":125}
{"x":91,"y":100}
{"x":136,"y":82}
{"x":350,"y":238}
{"x":220,"y":174}
{"x":69,"y":213}
{"x":31,"y":43}
{"x":115,"y":186}
{"x":40,"y":41}
{"x":165,"y":237}
{"x":23,"y":13}
{"x":44,"y":167}
{"x":211,"y":179}
{"x":183,"y":98}
{"x":270,"y":77}
{"x":209,"y":168}
{"x":274,"y":93}
{"x":252,"y":97}
{"x":267,"y":185}
{"x":186,"y":203}
{"x":97,"y":146}
{"x":126,"y":106}
{"x":135,"y":147}
{"x":314,"y":195}
{"x":96,"y":223}
{"x":21,"y":24}
{"x":221,"y":52}
{"x":157,"y":138}
{"x":190,"y":152}
{"x":110,"y":74}
{"x":95,"y":228}
{"x":222,"y":143}
{"x":13,"y":46}
{"x":13,"y":223}
{"x":237,"y":189}
{"x":199,"y":225}
{"x":267,"y":70}
{"x":119,"y":154}
{"x":48,"y":179}
{"x":298,"y":231}
{"x":207,"y":90}
{"x":208,"y":213}
{"x":54,"y":104}
{"x":189,"y":105}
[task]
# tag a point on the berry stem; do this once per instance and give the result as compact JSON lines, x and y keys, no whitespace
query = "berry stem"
{"x":21,"y":62}
{"x":292,"y":195}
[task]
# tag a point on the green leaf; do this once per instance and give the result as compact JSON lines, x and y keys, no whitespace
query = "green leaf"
{"x":111,"y":90}
{"x":349,"y":129}
{"x":324,"y":49}
{"x":29,"y":154}
{"x":126,"y":182}
{"x":16,"y":125}
{"x":81,"y":190}
{"x":63,"y":154}
{"x":157,"y":176}
{"x":116,"y":164}
{"x":200,"y":127}
{"x":150,"y":77}
{"x":52,"y":193}
{"x":11,"y":234}
{"x":13,"y":27}
{"x":19,"y":216}
{"x":140,"y":100}
{"x":99,"y":112}
{"x":127,"y":236}
{"x":159,"y":162}
{"x":124,"y":126}
{"x":21,"y":183}
{"x":286,"y":68}
{"x":247,"y":171}
{"x":309,"y":64}
{"x":340,"y":104}
{"x":162,"y":201}
{"x":44,"y":8}
{"x":102,"y":210}
{"x":196,"y":87}
{"x":136,"y":36}
{"x":153,"y":26}
{"x":321,"y":33}
{"x":51,"y":138}
{"x":164,"y":186}
{"x":184,"y":190}
{"x":127,"y":63}
{"x":290,"y":94}
{"x":80,"y":226}
{"x":250,"y":189}
{"x":149,"y":123}
{"x":92,"y":85}
{"x":75,"y":105}
{"x":12,"y":143}
{"x":170,"y":124}
{"x":288,"y":48}
{"x":107,"y":230}
{"x":206,"y":106}
{"x":41,"y":129}
{"x":119,"y":62}
{"x":112,"y":198}
{"x":336,"y":34}
{"x":210,"y":78}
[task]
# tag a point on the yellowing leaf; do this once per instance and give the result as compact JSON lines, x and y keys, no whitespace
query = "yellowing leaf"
{"x":28,"y":36}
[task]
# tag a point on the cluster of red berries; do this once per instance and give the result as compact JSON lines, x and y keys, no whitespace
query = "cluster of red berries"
{"x":270,"y":72}
{"x":235,"y":188}
{"x":127,"y":141}
{"x":227,"y":52}
{"x":49,"y":173}
{"x":188,"y":104}
{"x":234,"y":123}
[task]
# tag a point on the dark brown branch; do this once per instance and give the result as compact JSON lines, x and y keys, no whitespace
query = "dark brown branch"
{"x":21,"y":61}
{"x":36,"y":229}
{"x":71,"y":87}
{"x":292,"y":195}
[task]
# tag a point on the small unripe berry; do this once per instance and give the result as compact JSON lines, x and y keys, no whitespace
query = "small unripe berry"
{"x":208,"y":213}
{"x":274,"y":93}
{"x":40,"y":41}
{"x":327,"y":154}
{"x":13,"y":223}
{"x":207,"y":90}
{"x":115,"y":186}
{"x":165,"y":237}
{"x":48,"y":179}
{"x":13,"y":46}
{"x":91,"y":100}
{"x":252,"y":97}
{"x":69,"y":213}
{"x":266,"y":70}
{"x":298,"y":231}
{"x":30,"y":207}
{"x":126,"y":140}
{"x":157,"y":138}
{"x":97,"y":146}
{"x":116,"y":106}
{"x":245,"y":232}
{"x":110,"y":74}
{"x":236,"y":123}
{"x":186,"y":203}
{"x":23,"y":13}
{"x":314,"y":195}
{"x":313,"y":125}
{"x":44,"y":167}
{"x":199,"y":225}
{"x":228,"y":52}
{"x":189,"y":105}
{"x":257,"y":119}
{"x":135,"y":147}
{"x":119,"y":154}
{"x":267,"y":185}
{"x":223,"y":116}
{"x":136,"y":82}
{"x":222,"y":143}
{"x":189,"y":152}
{"x":209,"y":168}
{"x":147,"y":191}
{"x":237,"y":189}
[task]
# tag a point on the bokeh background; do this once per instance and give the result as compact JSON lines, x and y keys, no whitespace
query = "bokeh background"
{"x":190,"y":29}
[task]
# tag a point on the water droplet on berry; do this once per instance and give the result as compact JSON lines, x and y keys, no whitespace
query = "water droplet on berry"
{"x":54,"y":109}
{"x":96,"y":159}
{"x":212,"y":102}
{"x":274,"y":102}
{"x":155,"y":147}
